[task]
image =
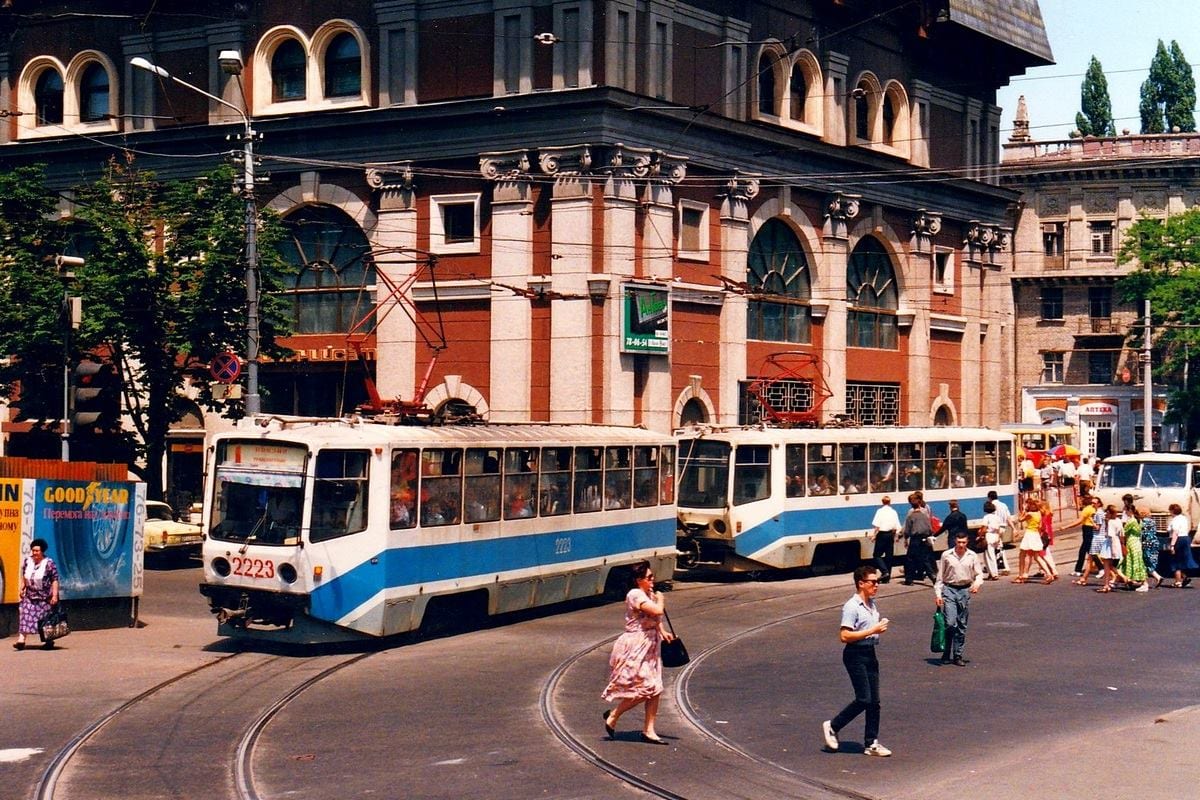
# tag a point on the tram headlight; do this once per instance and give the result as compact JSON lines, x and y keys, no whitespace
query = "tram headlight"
{"x":221,"y":566}
{"x":287,"y":572}
{"x":718,"y":525}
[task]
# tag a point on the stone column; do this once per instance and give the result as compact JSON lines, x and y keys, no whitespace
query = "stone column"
{"x":735,"y":244}
{"x":661,"y":173}
{"x":571,"y":259}
{"x":512,"y":263}
{"x":395,"y":334}
{"x":840,"y":209}
{"x":620,"y":251}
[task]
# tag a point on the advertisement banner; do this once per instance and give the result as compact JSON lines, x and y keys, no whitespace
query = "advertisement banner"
{"x":94,"y":532}
{"x":645,"y":319}
{"x":10,"y":538}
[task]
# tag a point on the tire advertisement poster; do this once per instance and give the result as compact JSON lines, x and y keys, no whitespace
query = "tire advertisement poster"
{"x":94,"y":530}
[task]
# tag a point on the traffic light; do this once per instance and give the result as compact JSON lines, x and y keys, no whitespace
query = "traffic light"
{"x":96,"y":398}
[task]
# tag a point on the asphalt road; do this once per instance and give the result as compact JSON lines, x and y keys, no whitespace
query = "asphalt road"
{"x":1060,"y":697}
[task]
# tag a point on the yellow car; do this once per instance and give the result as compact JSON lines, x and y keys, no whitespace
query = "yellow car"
{"x":167,"y":539}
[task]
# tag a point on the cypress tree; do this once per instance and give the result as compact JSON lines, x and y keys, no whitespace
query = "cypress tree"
{"x":1096,"y":117}
{"x":1181,"y":102}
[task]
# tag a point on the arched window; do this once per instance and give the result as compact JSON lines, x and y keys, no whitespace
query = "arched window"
{"x":780,"y":286}
{"x":336,"y":278}
{"x":48,"y":98}
{"x":766,"y":84}
{"x":93,"y":93}
{"x":288,"y":72}
{"x":343,"y":67}
{"x":693,"y":413}
{"x":862,"y":113}
{"x":872,"y":296}
{"x":889,"y":121}
{"x":798,"y":89}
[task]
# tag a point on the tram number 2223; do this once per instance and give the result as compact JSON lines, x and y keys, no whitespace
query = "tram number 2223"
{"x":562,"y":545}
{"x":253,"y":567}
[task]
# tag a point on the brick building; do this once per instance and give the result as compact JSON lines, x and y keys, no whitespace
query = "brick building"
{"x":1077,"y":346}
{"x":631,"y":203}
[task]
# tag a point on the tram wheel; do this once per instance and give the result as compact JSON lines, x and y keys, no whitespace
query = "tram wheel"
{"x":689,"y":553}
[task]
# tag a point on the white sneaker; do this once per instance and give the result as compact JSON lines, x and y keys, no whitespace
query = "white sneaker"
{"x":876,"y":749}
{"x":1145,"y":587}
{"x":831,"y":740}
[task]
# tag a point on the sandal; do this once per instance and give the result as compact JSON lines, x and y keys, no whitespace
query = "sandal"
{"x":1048,"y":581}
{"x":1104,"y":589}
{"x":1080,"y":582}
{"x":1020,"y":580}
{"x":1178,"y":584}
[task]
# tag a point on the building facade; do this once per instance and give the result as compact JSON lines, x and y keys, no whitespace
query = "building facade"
{"x":628,"y":205}
{"x":1077,"y":346}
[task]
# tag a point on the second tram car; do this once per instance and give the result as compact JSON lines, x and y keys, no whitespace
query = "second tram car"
{"x":320,"y":530}
{"x":752,"y":498}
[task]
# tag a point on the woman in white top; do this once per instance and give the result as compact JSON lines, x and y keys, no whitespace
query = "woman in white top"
{"x":1179,"y":548}
{"x":1110,"y":547}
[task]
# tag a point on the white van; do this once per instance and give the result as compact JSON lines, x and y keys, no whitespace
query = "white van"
{"x":1155,"y":480}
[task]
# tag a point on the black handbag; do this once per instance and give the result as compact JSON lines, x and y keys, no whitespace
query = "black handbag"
{"x":674,"y":653}
{"x":53,"y":625}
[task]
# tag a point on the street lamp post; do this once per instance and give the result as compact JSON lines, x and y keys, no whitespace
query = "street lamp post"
{"x":231,"y":64}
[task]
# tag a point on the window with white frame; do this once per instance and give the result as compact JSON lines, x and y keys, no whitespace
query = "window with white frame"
{"x":343,"y":67}
{"x":943,"y":270}
{"x":48,"y":97}
{"x":294,"y":73}
{"x":289,"y":74}
{"x":79,"y":97}
{"x":454,"y":223}
{"x":1101,"y":234}
{"x":93,"y":93}
{"x":1052,"y":367}
{"x":693,"y":230}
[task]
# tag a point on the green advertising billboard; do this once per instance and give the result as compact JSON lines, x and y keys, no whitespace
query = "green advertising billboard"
{"x":645,"y":319}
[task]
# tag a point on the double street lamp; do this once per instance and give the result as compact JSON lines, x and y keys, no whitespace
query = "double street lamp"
{"x":231,"y":64}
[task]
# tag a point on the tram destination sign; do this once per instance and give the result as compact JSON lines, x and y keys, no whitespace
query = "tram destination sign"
{"x":645,"y":319}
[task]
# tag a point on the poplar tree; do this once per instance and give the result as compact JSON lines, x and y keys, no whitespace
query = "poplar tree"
{"x":1181,"y":102}
{"x":1169,"y":92}
{"x":1096,"y":118}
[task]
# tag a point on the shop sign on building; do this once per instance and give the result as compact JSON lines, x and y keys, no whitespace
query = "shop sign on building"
{"x":645,"y":319}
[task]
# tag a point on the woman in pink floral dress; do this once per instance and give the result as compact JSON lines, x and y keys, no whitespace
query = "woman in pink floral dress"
{"x":636,"y":675}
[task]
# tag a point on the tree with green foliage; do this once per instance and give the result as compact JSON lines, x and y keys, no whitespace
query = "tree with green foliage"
{"x":1167,"y":254}
{"x":1096,"y":117}
{"x":1180,"y":107}
{"x":1168,"y":96}
{"x":162,"y":287}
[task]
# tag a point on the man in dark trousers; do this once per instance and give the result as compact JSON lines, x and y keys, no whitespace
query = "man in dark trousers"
{"x":954,"y":524}
{"x":959,"y":575}
{"x":918,"y":560}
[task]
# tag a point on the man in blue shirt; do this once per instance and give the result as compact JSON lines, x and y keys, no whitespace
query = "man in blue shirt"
{"x":860,"y":631}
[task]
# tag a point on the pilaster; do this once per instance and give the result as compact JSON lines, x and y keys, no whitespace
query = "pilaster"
{"x":836,"y":67}
{"x":840,"y":209}
{"x":512,"y":263}
{"x":395,"y":334}
{"x":735,"y":244}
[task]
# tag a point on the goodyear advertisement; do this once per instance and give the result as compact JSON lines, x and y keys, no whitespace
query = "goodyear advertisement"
{"x":94,"y":532}
{"x":10,"y":538}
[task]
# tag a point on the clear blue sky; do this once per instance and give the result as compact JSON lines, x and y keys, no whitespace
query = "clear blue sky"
{"x":1122,"y":34}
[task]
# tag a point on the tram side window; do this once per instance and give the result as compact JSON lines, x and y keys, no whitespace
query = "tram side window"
{"x":962,"y":464}
{"x":404,"y":489}
{"x":937,"y":471}
{"x":793,"y":460}
{"x":617,"y":477}
{"x":822,"y":470}
{"x":481,"y":493}
{"x":751,"y":473}
{"x":554,"y":493}
{"x":441,"y":486}
{"x":520,"y":482}
{"x":339,"y":494}
{"x":883,"y":467}
{"x":666,"y":475}
{"x":1004,"y":472}
{"x":854,"y":469}
{"x":986,"y":464}
{"x":645,"y":476}
{"x":589,"y":463}
{"x":912,"y":467}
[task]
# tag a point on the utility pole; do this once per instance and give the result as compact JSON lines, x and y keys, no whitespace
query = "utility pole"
{"x":72,"y":311}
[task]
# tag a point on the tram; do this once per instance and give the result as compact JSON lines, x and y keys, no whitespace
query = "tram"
{"x":755,"y":498}
{"x":325,"y":530}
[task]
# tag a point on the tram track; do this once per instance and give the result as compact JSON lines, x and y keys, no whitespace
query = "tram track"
{"x":165,"y":735}
{"x":802,"y":785}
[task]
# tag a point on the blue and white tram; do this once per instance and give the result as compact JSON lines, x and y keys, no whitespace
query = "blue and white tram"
{"x":752,"y":498}
{"x":320,"y":530}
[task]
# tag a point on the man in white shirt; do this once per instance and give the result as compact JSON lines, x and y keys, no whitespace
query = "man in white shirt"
{"x":883,"y":534}
{"x":959,"y":575}
{"x":1006,"y":522}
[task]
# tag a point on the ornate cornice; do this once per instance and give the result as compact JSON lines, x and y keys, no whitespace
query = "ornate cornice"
{"x":647,"y":164}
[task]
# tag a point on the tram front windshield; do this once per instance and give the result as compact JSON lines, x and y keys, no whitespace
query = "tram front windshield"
{"x":703,"y":473}
{"x":259,"y":491}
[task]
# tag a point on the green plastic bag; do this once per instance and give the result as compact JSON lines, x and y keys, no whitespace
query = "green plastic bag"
{"x":937,"y":640}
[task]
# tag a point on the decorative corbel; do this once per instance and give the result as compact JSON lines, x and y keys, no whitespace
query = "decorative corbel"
{"x":840,"y":208}
{"x":925,"y":225}
{"x":394,"y":195}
